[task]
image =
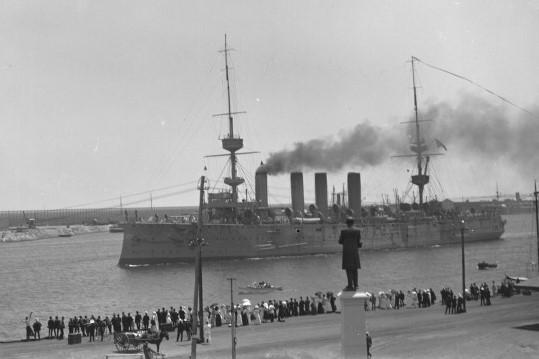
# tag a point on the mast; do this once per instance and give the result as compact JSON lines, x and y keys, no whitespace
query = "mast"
{"x":419,"y":147}
{"x":230,"y":142}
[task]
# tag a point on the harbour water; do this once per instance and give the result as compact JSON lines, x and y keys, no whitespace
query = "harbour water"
{"x":79,"y":275}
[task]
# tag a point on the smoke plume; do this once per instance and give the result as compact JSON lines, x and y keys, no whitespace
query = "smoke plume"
{"x":473,"y":128}
{"x":364,"y":145}
{"x":477,"y":129}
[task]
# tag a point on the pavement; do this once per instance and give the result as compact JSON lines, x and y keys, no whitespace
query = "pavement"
{"x":509,"y":328}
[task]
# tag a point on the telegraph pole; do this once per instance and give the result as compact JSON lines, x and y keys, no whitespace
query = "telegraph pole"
{"x":198,"y":242}
{"x":463,"y":267}
{"x":535,"y":193}
{"x":232,"y":318}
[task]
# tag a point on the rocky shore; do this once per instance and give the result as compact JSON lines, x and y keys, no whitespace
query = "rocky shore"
{"x":506,"y":329}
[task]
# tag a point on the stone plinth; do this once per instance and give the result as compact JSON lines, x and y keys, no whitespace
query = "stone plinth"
{"x":353,"y":342}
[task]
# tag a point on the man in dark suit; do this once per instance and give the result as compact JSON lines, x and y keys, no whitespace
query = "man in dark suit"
{"x":350,"y":240}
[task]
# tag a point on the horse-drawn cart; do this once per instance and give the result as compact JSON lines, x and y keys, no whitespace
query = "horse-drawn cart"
{"x":133,"y":341}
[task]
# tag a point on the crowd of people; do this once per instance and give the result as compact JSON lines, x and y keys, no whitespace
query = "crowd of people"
{"x":244,"y":313}
{"x":268,"y":311}
{"x":180,"y":319}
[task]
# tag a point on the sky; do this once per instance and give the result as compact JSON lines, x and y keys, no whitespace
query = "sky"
{"x":109,"y":102}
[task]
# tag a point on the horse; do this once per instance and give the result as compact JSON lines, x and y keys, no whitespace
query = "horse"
{"x":157,"y":339}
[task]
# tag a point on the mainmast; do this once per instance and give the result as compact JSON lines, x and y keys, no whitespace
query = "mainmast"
{"x":419,"y":147}
{"x":230,"y":142}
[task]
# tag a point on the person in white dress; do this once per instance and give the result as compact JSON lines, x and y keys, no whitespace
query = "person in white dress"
{"x":154,"y":323}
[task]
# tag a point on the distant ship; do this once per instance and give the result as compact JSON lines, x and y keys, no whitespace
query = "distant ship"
{"x":253,"y":229}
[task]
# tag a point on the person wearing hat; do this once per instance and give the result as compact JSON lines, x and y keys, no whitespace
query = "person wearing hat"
{"x":350,"y":239}
{"x":91,"y":329}
{"x":37,"y":328}
{"x":146,"y":321}
{"x":28,"y":322}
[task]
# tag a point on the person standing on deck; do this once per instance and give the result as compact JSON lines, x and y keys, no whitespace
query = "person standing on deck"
{"x":350,"y":239}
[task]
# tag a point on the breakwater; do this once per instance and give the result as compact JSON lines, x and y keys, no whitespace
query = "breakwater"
{"x":87,"y":216}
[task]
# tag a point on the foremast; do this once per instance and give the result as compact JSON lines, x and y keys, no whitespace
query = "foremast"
{"x":231,"y":142}
{"x":419,"y":147}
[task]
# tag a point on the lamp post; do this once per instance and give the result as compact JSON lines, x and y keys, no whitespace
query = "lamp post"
{"x":463,"y":267}
{"x":232,"y":319}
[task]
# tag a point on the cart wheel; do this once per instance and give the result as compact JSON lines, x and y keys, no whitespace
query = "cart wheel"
{"x":121,"y":342}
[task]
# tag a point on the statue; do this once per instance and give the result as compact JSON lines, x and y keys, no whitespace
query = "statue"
{"x":350,"y":239}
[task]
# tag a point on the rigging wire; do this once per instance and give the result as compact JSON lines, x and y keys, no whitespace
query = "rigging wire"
{"x":477,"y":85}
{"x":225,"y":167}
{"x":196,"y":107}
{"x":248,"y":183}
{"x":129,"y":195}
{"x":166,"y":195}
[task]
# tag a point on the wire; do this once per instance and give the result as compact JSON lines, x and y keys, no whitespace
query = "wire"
{"x":248,"y":183}
{"x":166,"y":195}
{"x":130,"y":195}
{"x":478,"y":85}
{"x":226,"y":166}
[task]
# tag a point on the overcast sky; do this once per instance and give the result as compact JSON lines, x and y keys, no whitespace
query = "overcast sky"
{"x":102,"y":99}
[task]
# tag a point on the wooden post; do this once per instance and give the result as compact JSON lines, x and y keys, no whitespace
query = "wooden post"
{"x":197,"y":243}
{"x":232,"y":318}
{"x":535,"y":193}
{"x":463,"y":268}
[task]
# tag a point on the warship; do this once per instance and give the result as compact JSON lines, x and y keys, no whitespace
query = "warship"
{"x":254,"y":229}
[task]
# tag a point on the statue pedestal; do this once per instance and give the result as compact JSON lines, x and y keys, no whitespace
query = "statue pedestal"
{"x":353,"y":341}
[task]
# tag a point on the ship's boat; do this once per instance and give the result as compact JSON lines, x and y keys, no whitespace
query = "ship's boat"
{"x":258,"y":288}
{"x":254,"y":229}
{"x":484,"y":265}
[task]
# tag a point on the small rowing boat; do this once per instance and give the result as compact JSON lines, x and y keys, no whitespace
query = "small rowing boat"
{"x":485,"y":265}
{"x":258,"y":287}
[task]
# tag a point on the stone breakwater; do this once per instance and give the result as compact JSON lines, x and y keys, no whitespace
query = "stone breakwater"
{"x":43,"y":232}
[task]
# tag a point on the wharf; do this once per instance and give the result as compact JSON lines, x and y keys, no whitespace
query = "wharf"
{"x":506,"y":329}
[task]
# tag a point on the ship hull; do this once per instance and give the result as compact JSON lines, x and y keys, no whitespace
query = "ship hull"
{"x":152,"y":243}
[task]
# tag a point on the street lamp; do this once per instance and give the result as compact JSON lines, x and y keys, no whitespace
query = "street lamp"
{"x":463,"y":267}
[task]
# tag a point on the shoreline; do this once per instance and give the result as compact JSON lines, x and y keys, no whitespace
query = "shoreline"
{"x":507,"y":328}
{"x":47,"y":232}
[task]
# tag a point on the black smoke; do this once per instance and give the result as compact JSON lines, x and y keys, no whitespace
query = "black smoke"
{"x":363,"y":145}
{"x":473,"y":128}
{"x":478,"y":129}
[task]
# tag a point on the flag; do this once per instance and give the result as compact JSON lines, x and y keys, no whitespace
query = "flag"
{"x":440,"y":144}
